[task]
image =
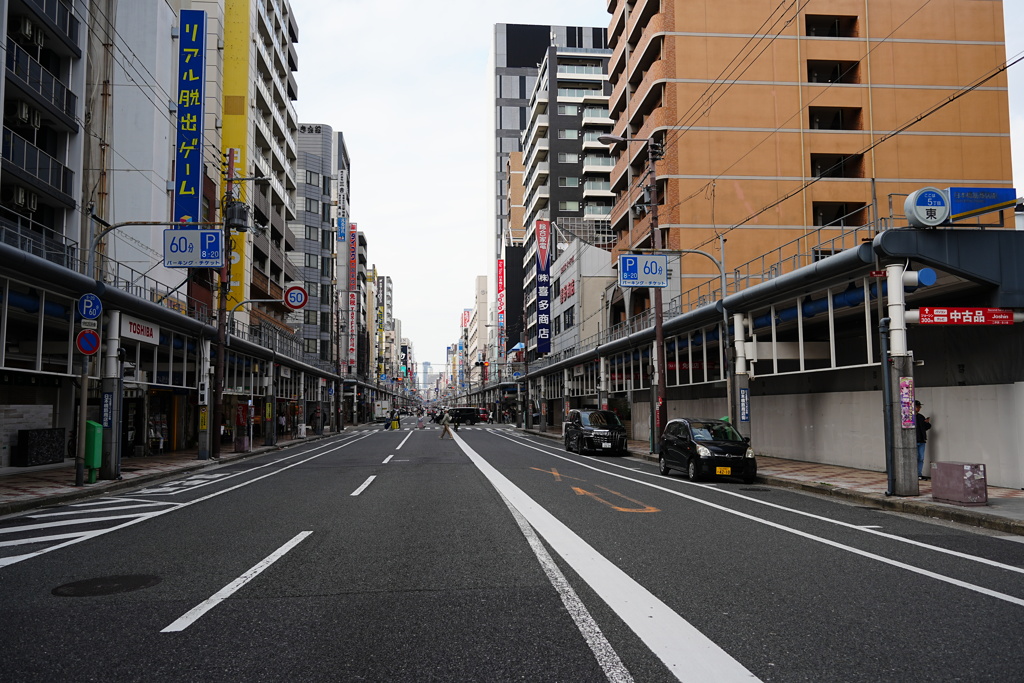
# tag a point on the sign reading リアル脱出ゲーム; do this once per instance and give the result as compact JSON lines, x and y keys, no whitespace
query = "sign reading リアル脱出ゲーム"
{"x":188,"y":154}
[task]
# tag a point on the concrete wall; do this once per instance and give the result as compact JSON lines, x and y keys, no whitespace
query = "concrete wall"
{"x":15,"y":417}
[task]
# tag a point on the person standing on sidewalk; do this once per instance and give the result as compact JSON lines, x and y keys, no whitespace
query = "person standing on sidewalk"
{"x":445,"y":421}
{"x":923,"y":424}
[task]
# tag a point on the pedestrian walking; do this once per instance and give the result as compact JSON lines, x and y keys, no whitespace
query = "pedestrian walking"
{"x":490,"y":417}
{"x":923,"y":424}
{"x":419,"y":420}
{"x":445,"y":420}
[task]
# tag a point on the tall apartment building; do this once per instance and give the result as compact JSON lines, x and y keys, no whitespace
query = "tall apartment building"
{"x":260,"y":124}
{"x":42,"y":91}
{"x":779,"y":122}
{"x":565,"y":169}
{"x":316,"y":240}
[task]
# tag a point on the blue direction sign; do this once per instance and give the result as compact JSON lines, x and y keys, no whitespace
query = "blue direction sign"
{"x":965,"y":202}
{"x":643,"y":270}
{"x":90,"y":307}
{"x":88,"y":342}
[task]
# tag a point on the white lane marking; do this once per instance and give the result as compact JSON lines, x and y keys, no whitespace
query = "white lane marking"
{"x":868,"y":529}
{"x":688,"y":653}
{"x":856,"y":551}
{"x":388,"y":459}
{"x":90,"y":512}
{"x":187,"y":619}
{"x":403,"y":441}
{"x":363,"y":487}
{"x":67,"y":522}
{"x":7,"y":561}
{"x":869,"y":526}
{"x":606,"y":656}
{"x":41,"y":539}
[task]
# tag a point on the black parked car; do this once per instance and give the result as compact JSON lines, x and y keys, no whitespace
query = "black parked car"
{"x":594,"y":430}
{"x":703,"y":447}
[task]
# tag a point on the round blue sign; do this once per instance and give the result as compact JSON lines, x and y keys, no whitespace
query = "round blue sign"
{"x":926,"y":208}
{"x":90,"y":307}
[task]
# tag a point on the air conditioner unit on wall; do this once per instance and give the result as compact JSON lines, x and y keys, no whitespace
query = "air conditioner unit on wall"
{"x":37,"y":118}
{"x":20,"y":196}
{"x":38,"y":37}
{"x":32,"y":201}
{"x":24,"y":112}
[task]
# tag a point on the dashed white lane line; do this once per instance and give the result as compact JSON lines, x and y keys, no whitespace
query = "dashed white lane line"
{"x":364,"y":485}
{"x":187,"y":619}
{"x":388,"y":459}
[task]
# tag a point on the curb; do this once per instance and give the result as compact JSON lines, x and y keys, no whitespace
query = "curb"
{"x":912,"y":506}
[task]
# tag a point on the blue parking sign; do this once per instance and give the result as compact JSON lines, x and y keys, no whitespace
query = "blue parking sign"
{"x":90,"y":307}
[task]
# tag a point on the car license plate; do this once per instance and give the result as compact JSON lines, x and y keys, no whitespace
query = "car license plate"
{"x":723,"y":470}
{"x":606,"y":445}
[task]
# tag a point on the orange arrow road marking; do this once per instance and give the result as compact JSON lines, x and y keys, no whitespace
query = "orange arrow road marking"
{"x":555,"y":473}
{"x":643,"y":506}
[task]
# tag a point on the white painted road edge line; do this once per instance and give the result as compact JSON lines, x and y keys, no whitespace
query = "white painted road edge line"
{"x":14,"y":559}
{"x":820,"y":539}
{"x":388,"y":459}
{"x":606,"y":656}
{"x":688,"y":653}
{"x":187,"y":619}
{"x":363,"y":487}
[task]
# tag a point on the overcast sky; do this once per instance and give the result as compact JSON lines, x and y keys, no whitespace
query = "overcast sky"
{"x":408,"y":82}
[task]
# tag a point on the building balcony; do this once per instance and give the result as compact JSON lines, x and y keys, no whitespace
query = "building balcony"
{"x":33,"y":78}
{"x":593,"y":163}
{"x":58,"y":18}
{"x":33,"y":164}
{"x":538,"y":173}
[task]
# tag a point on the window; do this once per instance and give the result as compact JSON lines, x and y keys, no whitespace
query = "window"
{"x":564,"y":158}
{"x":569,"y":182}
{"x":568,"y":134}
{"x":325,"y":215}
{"x":312,"y":345}
{"x":568,"y":206}
{"x":325,"y":295}
{"x":833,"y":71}
{"x":312,"y":205}
{"x":309,"y":317}
{"x":831,"y":26}
{"x":327,"y":266}
{"x":556,"y":326}
{"x":327,"y":240}
{"x":834,"y":118}
{"x":569,"y":317}
{"x":310,"y":288}
{"x":327,"y":184}
{"x":837,"y":166}
{"x":312,"y":260}
{"x":312,"y":233}
{"x":568,"y":110}
{"x":312,"y":178}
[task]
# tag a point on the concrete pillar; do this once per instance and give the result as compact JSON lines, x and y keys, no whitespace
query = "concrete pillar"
{"x":111,"y":398}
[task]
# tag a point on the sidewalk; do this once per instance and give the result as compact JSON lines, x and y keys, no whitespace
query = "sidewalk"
{"x":1004,"y":512}
{"x":29,"y":488}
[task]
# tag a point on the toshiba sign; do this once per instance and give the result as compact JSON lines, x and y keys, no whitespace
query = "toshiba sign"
{"x":139,"y":330}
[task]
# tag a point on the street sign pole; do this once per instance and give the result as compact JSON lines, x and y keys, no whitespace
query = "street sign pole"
{"x":90,"y":308}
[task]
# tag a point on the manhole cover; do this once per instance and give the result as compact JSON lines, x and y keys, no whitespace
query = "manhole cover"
{"x":753,"y":488}
{"x":105,"y":585}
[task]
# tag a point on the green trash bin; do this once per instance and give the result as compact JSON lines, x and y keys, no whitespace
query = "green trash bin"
{"x":93,"y":448}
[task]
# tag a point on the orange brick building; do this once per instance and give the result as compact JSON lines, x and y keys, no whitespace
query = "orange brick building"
{"x":780,"y":124}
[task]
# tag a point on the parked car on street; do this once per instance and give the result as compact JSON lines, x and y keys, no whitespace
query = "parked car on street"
{"x":703,"y":447}
{"x":594,"y":430}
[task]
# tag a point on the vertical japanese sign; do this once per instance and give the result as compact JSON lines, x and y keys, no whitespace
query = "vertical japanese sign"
{"x":188,"y":155}
{"x":542,"y":231}
{"x":342,"y":228}
{"x":353,"y":292}
{"x":501,"y":309}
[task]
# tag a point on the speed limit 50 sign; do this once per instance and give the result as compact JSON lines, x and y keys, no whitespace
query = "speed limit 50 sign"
{"x":296,"y":297}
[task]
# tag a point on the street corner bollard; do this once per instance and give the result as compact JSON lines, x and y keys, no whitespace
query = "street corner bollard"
{"x":93,"y":448}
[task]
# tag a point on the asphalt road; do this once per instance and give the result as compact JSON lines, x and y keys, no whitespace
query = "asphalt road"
{"x":394,"y":556}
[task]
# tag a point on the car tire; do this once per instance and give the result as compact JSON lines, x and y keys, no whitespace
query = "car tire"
{"x":663,"y":466}
{"x":579,"y":444}
{"x":568,"y":443}
{"x":692,"y":471}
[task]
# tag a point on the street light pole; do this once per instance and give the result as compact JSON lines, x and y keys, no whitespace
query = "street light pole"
{"x":655,"y":150}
